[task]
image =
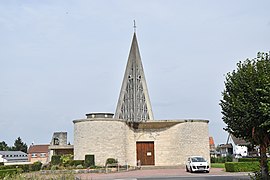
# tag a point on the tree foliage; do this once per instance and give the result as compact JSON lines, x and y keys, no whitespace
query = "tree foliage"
{"x":3,"y":146}
{"x":246,"y":101}
{"x":19,"y":145}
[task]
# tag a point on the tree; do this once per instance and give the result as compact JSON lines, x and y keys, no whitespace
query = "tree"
{"x":246,"y":104}
{"x":19,"y":145}
{"x":3,"y":146}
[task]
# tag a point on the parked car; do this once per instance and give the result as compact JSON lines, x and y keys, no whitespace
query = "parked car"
{"x":198,"y":164}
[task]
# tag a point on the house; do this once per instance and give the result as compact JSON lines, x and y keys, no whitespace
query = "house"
{"x":239,"y":146}
{"x":132,"y":135}
{"x":236,"y":147}
{"x":212,"y":147}
{"x":38,"y":153}
{"x":13,"y":157}
{"x":59,"y":145}
{"x":225,"y":150}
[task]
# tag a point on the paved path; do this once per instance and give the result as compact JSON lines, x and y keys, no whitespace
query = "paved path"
{"x":131,"y":175}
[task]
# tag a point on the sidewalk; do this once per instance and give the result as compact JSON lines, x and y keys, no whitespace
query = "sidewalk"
{"x":152,"y":173}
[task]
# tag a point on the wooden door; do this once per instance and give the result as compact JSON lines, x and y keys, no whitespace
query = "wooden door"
{"x":145,"y":153}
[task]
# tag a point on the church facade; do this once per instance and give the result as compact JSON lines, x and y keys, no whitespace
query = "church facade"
{"x":131,"y":135}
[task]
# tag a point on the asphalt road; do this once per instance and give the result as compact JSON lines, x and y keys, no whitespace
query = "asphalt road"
{"x":164,"y":174}
{"x":196,"y":178}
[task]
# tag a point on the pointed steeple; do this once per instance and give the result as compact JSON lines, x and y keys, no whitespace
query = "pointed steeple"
{"x":134,"y":102}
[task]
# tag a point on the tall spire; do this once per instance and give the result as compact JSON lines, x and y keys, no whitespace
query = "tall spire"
{"x":134,"y":102}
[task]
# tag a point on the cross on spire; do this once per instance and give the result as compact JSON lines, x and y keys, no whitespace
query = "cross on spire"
{"x":134,"y":25}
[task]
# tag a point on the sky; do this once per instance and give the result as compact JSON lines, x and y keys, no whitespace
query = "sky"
{"x":62,"y":59}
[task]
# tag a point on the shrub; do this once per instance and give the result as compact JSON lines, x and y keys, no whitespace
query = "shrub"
{"x":36,"y":166}
{"x":221,"y":159}
{"x":66,"y":159}
{"x":111,"y":161}
{"x":248,"y":159}
{"x":7,"y":172}
{"x":24,"y":167}
{"x":56,"y":160}
{"x":54,"y":167}
{"x":76,"y":162}
{"x":242,"y":166}
{"x":79,"y":166}
{"x":1,"y":164}
{"x":89,"y":160}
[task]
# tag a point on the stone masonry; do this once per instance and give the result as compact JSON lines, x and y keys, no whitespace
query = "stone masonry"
{"x":174,"y":140}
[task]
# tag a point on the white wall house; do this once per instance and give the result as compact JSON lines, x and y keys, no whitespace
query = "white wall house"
{"x":13,"y":157}
{"x":239,"y":146}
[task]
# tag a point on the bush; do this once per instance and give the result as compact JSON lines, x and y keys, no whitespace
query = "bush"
{"x":36,"y":166}
{"x":7,"y":172}
{"x":79,"y":166}
{"x":249,"y":160}
{"x":1,"y":164}
{"x":56,"y":160}
{"x":24,"y":167}
{"x":242,"y":166}
{"x":54,"y":167}
{"x":66,"y":159}
{"x":221,"y":159}
{"x":89,"y":160}
{"x":76,"y":162}
{"x":111,"y":161}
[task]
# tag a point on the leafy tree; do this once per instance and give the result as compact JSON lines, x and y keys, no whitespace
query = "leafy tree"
{"x":19,"y":145}
{"x":3,"y":146}
{"x":246,"y":104}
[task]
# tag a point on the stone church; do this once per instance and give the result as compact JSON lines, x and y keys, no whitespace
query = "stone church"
{"x":131,"y":135}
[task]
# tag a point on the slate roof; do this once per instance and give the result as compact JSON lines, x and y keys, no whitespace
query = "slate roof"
{"x":43,"y":148}
{"x":14,"y":156}
{"x":239,"y":141}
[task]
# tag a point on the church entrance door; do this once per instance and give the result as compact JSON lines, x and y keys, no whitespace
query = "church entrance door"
{"x":145,"y":153}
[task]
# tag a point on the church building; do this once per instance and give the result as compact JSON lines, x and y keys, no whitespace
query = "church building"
{"x":131,"y":135}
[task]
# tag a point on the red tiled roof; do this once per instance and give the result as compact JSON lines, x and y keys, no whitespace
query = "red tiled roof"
{"x":211,"y":141}
{"x":44,"y":148}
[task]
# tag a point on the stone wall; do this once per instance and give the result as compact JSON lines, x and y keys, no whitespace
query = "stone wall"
{"x":112,"y":138}
{"x":105,"y":138}
{"x":174,"y":144}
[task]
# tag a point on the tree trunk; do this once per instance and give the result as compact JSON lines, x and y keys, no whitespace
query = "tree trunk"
{"x":264,"y":166}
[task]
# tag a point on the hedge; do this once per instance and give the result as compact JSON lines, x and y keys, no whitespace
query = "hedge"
{"x":24,"y":167}
{"x":89,"y":160}
{"x":111,"y":161}
{"x":76,"y":162}
{"x":56,"y":160}
{"x":243,"y":166}
{"x":249,"y":160}
{"x":221,"y":159}
{"x":6,"y":172}
{"x":36,"y":166}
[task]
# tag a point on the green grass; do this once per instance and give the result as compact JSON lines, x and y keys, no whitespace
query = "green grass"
{"x":217,"y":165}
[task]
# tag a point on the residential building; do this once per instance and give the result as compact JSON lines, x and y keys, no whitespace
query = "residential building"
{"x":39,"y":153}
{"x":240,"y":146}
{"x":13,"y":157}
{"x":59,"y":145}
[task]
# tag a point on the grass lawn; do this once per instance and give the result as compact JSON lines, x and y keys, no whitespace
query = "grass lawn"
{"x":217,"y":165}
